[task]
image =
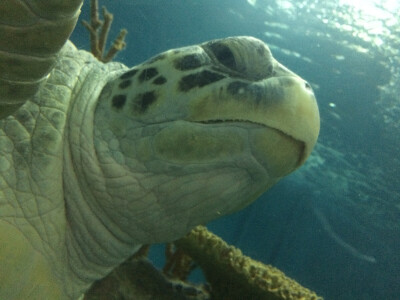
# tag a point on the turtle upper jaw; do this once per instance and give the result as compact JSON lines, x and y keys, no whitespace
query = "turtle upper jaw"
{"x":284,"y":104}
{"x":278,"y":152}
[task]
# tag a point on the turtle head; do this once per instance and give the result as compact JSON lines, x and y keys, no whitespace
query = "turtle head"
{"x":203,"y":130}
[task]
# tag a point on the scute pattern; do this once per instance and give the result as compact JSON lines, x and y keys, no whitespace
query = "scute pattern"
{"x":200,"y":79}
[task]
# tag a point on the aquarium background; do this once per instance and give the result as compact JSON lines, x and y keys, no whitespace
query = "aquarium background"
{"x":334,"y":224}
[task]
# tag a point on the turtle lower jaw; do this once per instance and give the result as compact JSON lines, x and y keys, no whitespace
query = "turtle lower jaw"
{"x":278,"y":152}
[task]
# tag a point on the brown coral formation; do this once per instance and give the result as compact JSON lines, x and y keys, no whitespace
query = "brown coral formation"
{"x":230,"y":275}
{"x":138,"y":279}
{"x":233,"y":275}
{"x":178,"y":264}
{"x":99,"y":30}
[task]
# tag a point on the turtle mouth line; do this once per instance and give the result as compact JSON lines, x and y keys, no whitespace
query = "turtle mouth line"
{"x":301,"y":144}
{"x":242,"y":121}
{"x":217,"y":121}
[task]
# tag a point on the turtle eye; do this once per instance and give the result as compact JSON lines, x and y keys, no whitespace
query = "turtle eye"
{"x":224,"y":55}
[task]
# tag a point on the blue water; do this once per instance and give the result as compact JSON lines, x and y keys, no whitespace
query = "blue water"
{"x":334,"y":224}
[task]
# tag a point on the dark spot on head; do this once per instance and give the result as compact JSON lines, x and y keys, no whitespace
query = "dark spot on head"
{"x":118,"y":101}
{"x":148,"y":74}
{"x":160,"y":80}
{"x":307,"y":85}
{"x":143,"y":101}
{"x":128,"y":74}
{"x":199,"y":79}
{"x":125,"y":84}
{"x":188,"y":62}
{"x":224,"y":55}
{"x":236,"y":86}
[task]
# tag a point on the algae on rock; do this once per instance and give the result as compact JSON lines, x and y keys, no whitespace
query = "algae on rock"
{"x":229,"y":274}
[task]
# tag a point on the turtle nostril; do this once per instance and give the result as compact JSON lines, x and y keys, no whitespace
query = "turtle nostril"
{"x":307,"y":85}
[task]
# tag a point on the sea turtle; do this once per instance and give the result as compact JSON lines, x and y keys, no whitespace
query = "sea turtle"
{"x":97,"y":159}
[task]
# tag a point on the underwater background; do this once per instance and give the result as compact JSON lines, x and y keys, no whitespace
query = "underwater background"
{"x":333,"y":225}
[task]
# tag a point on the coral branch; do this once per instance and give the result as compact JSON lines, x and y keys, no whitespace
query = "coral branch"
{"x":230,"y":275}
{"x":98,"y":39}
{"x":138,"y":279}
{"x":233,"y":275}
{"x":105,"y":29}
{"x":118,"y":45}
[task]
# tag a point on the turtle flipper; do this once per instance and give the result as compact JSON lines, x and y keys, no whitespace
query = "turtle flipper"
{"x":32,"y":33}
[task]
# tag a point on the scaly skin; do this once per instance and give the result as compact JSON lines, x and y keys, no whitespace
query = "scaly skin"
{"x":32,"y":33}
{"x":102,"y":160}
{"x":33,"y":223}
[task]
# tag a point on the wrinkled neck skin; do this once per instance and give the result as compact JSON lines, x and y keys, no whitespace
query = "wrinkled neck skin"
{"x":135,"y":189}
{"x":94,"y":246}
